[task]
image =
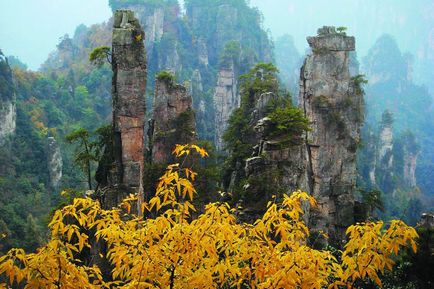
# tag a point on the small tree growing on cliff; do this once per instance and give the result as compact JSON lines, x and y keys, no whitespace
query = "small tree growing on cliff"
{"x":342,"y":30}
{"x":99,"y":55}
{"x":84,"y":153}
{"x":167,"y":77}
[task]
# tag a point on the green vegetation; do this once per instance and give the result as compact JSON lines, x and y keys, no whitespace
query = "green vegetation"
{"x":99,"y":55}
{"x":342,"y":30}
{"x":321,"y":102}
{"x":288,"y":123}
{"x":396,"y":101}
{"x":167,"y":77}
{"x":15,"y":62}
{"x":231,"y":55}
{"x":359,"y":81}
{"x":261,"y":79}
{"x":84,"y":155}
{"x":6,"y":84}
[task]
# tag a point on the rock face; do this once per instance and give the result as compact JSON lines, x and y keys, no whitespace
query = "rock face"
{"x":202,"y":52}
{"x":227,"y":20}
{"x":128,"y":90}
{"x":195,"y":41}
{"x":333,"y":101}
{"x":226,"y":99}
{"x":153,"y":20}
{"x":410,"y":162}
{"x":427,"y":221}
{"x":275,"y":166}
{"x":385,"y":146}
{"x":395,"y":158}
{"x":7,"y":101}
{"x":8,"y":117}
{"x":54,"y":162}
{"x":173,"y":120}
{"x":159,"y":22}
{"x":410,"y":154}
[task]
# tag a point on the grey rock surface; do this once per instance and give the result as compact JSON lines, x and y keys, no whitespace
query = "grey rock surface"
{"x":173,"y":120}
{"x":54,"y":162}
{"x":333,"y":101}
{"x":226,"y":100}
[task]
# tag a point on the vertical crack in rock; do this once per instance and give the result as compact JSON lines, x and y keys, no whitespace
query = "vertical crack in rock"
{"x":333,"y":101}
{"x":128,"y":89}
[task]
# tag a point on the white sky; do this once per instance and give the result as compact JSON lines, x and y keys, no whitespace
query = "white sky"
{"x":30,"y":29}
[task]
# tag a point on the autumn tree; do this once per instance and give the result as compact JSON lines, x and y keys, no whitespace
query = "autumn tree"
{"x":174,"y":247}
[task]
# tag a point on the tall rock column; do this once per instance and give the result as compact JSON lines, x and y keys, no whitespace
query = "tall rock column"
{"x":128,"y":89}
{"x":173,"y":119}
{"x":226,"y":99}
{"x":384,"y":172}
{"x":333,"y":101}
{"x":386,"y":140}
{"x":54,"y":162}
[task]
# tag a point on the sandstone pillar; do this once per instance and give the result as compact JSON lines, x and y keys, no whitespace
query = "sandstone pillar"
{"x":173,"y":118}
{"x":333,"y":101}
{"x":128,"y":90}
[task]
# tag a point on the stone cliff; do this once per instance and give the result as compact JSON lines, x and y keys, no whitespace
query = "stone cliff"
{"x":385,"y":146}
{"x":226,"y":99}
{"x":410,"y":164}
{"x":54,"y":162}
{"x":123,"y":168}
{"x":173,"y":120}
{"x":275,"y":166}
{"x":264,"y":143}
{"x":333,"y":101}
{"x":394,"y":161}
{"x":7,"y":101}
{"x":129,"y":86}
{"x":193,"y":43}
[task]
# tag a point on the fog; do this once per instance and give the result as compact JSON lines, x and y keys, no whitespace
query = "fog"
{"x":30,"y":29}
{"x":409,"y":21}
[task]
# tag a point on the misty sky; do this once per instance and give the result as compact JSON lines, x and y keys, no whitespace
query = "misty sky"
{"x":30,"y":29}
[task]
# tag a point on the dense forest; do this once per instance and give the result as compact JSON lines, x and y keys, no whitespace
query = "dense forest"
{"x":183,"y":141}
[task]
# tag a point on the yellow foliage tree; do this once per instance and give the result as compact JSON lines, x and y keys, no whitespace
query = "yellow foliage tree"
{"x":170,"y":248}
